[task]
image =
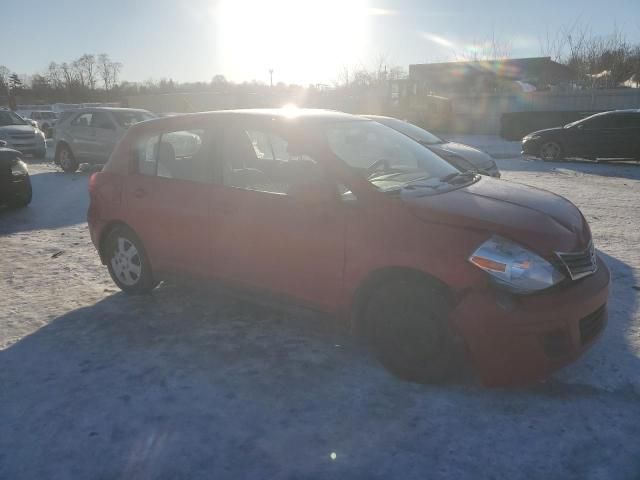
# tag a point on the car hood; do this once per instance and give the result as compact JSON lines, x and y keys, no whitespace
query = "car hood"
{"x":540,"y":220}
{"x":11,"y":129}
{"x":474,"y":156}
{"x":546,"y":131}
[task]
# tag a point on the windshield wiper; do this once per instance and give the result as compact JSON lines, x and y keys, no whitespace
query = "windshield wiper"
{"x":458,"y":177}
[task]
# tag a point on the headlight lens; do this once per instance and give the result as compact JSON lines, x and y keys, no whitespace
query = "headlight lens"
{"x":19,"y":168}
{"x":514,"y":267}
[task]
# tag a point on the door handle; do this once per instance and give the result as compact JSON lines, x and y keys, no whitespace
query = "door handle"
{"x":140,"y":193}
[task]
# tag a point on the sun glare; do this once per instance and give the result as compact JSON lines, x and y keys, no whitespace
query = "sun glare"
{"x":301,"y":40}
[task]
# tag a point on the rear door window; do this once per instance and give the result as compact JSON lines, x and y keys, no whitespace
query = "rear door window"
{"x":103,"y":121}
{"x":181,"y":155}
{"x":82,"y":120}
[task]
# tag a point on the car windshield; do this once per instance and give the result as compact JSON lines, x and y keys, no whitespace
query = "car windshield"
{"x":411,"y":131}
{"x":387,"y":158}
{"x":126,"y":119}
{"x":10,"y":118}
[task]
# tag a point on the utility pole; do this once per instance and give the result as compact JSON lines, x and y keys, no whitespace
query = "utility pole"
{"x":271,"y":77}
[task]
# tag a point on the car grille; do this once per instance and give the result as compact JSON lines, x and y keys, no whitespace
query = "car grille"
{"x":580,"y":264}
{"x":22,"y":136}
{"x":592,"y":324}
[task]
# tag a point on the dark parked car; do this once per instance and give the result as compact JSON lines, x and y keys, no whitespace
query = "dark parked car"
{"x":15,"y":184}
{"x":613,"y":134}
{"x":353,"y":218}
{"x":463,"y":157}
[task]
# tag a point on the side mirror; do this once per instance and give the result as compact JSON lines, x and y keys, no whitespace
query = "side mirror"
{"x":313,"y":193}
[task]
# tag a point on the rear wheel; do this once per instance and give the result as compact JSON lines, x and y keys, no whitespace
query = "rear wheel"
{"x":551,"y":152}
{"x":127,"y":261}
{"x":66,"y":159}
{"x":408,"y":327}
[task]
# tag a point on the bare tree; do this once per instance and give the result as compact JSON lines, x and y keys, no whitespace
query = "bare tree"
{"x":87,"y":65}
{"x":104,"y":70}
{"x":4,"y":79}
{"x":78,"y":72}
{"x":116,"y":68}
{"x":68,"y":75}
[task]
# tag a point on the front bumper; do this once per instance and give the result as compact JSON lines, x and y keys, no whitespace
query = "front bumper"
{"x":530,"y":148}
{"x":515,"y":339}
{"x":14,"y":188}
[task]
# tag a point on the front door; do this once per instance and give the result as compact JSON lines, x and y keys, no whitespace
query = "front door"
{"x":273,"y":241}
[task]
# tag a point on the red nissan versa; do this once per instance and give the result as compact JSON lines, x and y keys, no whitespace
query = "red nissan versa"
{"x":350,"y":217}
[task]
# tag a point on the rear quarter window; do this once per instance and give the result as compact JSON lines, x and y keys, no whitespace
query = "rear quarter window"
{"x":145,"y":155}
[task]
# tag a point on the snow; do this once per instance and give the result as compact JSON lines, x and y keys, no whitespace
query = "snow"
{"x":189,"y":383}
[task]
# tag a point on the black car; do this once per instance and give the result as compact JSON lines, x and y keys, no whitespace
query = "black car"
{"x":461,"y":156}
{"x":613,"y":134}
{"x":15,"y":184}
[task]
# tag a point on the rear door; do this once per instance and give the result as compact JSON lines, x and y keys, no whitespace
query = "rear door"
{"x":105,"y":135}
{"x":79,"y":135}
{"x":168,"y":198}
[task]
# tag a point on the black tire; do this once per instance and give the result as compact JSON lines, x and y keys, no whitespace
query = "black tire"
{"x":66,"y":159}
{"x":551,"y":152}
{"x":24,"y":198}
{"x":407,"y":324}
{"x":133,"y":273}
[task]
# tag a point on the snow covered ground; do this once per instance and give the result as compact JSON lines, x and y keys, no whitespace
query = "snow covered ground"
{"x":187,"y":383}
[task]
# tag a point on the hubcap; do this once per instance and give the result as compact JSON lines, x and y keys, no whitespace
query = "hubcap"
{"x":126,"y":263}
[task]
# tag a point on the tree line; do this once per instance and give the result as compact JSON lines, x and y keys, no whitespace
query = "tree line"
{"x":88,"y":78}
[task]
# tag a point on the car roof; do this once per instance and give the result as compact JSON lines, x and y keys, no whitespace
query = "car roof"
{"x":109,"y":109}
{"x":304,"y":115}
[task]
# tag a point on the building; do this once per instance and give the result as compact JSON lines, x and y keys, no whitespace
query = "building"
{"x":489,"y":76}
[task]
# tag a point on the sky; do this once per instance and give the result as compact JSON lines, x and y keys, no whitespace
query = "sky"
{"x":302,"y":41}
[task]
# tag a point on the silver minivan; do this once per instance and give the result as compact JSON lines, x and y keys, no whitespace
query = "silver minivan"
{"x":90,"y":134}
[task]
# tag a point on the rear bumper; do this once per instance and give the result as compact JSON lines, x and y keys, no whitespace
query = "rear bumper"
{"x":520,"y":339}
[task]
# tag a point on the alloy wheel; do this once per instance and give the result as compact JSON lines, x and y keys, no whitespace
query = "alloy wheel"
{"x":126,"y":262}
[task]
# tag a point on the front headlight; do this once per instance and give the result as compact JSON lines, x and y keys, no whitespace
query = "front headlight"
{"x":531,"y":137}
{"x":514,"y":267}
{"x":19,"y":168}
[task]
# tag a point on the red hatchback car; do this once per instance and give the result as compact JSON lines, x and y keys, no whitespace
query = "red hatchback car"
{"x":350,"y":217}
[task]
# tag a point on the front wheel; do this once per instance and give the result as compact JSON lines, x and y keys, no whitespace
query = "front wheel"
{"x":409,"y":330}
{"x":551,"y":152}
{"x":127,"y":262}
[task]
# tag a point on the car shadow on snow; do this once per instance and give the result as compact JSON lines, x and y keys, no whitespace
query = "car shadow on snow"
{"x":630,"y":170}
{"x":59,"y":200}
{"x":187,"y":383}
